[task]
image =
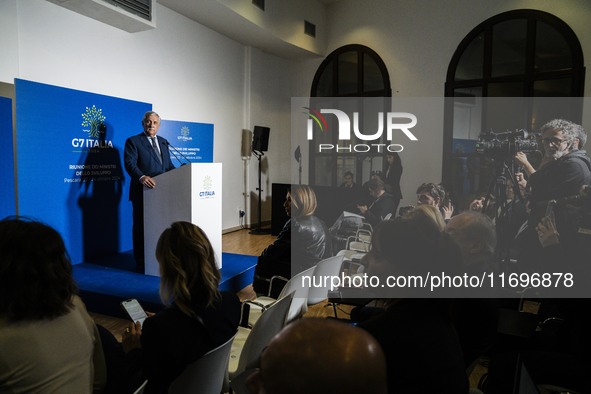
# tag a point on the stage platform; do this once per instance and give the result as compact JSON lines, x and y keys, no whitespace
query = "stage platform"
{"x":106,"y":282}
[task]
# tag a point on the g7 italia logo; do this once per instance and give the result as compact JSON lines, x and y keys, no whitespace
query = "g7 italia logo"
{"x":93,"y":123}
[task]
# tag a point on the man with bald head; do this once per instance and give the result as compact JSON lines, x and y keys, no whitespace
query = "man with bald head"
{"x":320,"y":356}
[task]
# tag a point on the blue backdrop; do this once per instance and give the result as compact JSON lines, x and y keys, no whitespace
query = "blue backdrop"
{"x":7,"y":196}
{"x":70,"y":167}
{"x":70,"y":174}
{"x":192,"y":141}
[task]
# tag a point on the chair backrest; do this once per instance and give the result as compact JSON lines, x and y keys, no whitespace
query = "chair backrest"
{"x":299,"y":303}
{"x":141,"y":389}
{"x":324,"y":269}
{"x":205,"y":375}
{"x":269,"y":324}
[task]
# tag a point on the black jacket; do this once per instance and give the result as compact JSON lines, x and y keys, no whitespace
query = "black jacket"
{"x":171,"y":340}
{"x":304,"y":239}
{"x":560,"y":178}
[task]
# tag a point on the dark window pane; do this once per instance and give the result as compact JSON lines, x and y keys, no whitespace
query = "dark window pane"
{"x":467,"y":113}
{"x":372,"y":75}
{"x":470,"y":64}
{"x":370,"y":164}
{"x":509,"y":47}
{"x":325,"y":82}
{"x":548,"y":108}
{"x":508,"y":89}
{"x":506,"y":114}
{"x":552,"y":51}
{"x":323,"y":170}
{"x":347,"y":72}
{"x":344,"y":164}
{"x":553,"y":87}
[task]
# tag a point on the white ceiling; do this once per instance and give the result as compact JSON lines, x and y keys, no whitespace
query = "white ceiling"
{"x":220,"y":18}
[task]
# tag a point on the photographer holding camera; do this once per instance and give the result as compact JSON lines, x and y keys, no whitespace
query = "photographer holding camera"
{"x":565,"y":171}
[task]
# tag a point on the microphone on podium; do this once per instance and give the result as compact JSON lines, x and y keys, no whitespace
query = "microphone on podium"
{"x":174,"y":152}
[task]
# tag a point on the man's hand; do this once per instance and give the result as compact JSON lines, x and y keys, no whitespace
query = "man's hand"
{"x":521,"y":181}
{"x":148,"y":181}
{"x":362,"y":209}
{"x":522,"y":159}
{"x":477,"y":205}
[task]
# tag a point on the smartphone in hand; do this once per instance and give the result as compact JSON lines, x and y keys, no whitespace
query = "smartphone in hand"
{"x":134,"y":310}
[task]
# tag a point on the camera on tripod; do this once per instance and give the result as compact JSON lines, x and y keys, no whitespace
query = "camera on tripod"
{"x":506,"y":145}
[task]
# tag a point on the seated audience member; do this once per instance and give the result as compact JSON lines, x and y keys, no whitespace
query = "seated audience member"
{"x":304,"y":238}
{"x":434,"y":194}
{"x":348,"y":181}
{"x":423,"y":353}
{"x":367,"y":197}
{"x":320,"y":356}
{"x":429,"y":219}
{"x":476,"y":318}
{"x":427,"y":212}
{"x":198,"y":318}
{"x":48,"y":342}
{"x":381,"y":207}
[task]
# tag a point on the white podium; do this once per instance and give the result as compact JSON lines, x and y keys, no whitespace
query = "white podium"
{"x":190,"y":193}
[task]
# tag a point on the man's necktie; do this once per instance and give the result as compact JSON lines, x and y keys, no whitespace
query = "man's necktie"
{"x":155,"y":147}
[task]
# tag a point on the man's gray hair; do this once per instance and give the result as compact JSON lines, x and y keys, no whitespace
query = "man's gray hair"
{"x":582,"y":135}
{"x":147,"y":115}
{"x":569,"y":129}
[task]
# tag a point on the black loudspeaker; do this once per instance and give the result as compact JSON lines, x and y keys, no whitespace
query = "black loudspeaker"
{"x":260,"y":139}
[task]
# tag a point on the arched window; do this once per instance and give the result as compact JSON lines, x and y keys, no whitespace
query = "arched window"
{"x":519,"y":54}
{"x":349,"y":71}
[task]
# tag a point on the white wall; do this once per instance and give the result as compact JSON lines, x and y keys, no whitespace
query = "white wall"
{"x":416,"y":39}
{"x":187,"y":71}
{"x":192,"y":73}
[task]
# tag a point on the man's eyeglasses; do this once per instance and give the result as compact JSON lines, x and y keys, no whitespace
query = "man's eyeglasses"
{"x":553,"y":140}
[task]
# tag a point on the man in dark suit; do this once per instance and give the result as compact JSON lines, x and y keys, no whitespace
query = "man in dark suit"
{"x":146,"y":155}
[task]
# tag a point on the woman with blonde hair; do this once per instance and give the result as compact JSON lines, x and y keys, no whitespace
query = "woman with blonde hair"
{"x":427,"y":212}
{"x":302,"y":241}
{"x":198,"y":317}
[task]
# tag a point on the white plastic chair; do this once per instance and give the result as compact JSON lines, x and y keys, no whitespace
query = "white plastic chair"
{"x":324,"y":269}
{"x":205,"y":375}
{"x":248,"y":344}
{"x":356,"y":244}
{"x":141,"y":389}
{"x":298,"y":304}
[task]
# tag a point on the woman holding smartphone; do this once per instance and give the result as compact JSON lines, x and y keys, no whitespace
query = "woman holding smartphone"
{"x":198,"y":316}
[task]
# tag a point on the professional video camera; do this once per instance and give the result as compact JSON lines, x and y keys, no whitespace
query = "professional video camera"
{"x":505,"y":145}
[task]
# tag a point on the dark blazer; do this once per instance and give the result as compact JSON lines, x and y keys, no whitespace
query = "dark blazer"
{"x":171,"y":340}
{"x":140,"y":159}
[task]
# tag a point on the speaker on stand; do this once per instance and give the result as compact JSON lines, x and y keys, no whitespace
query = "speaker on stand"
{"x":260,"y":145}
